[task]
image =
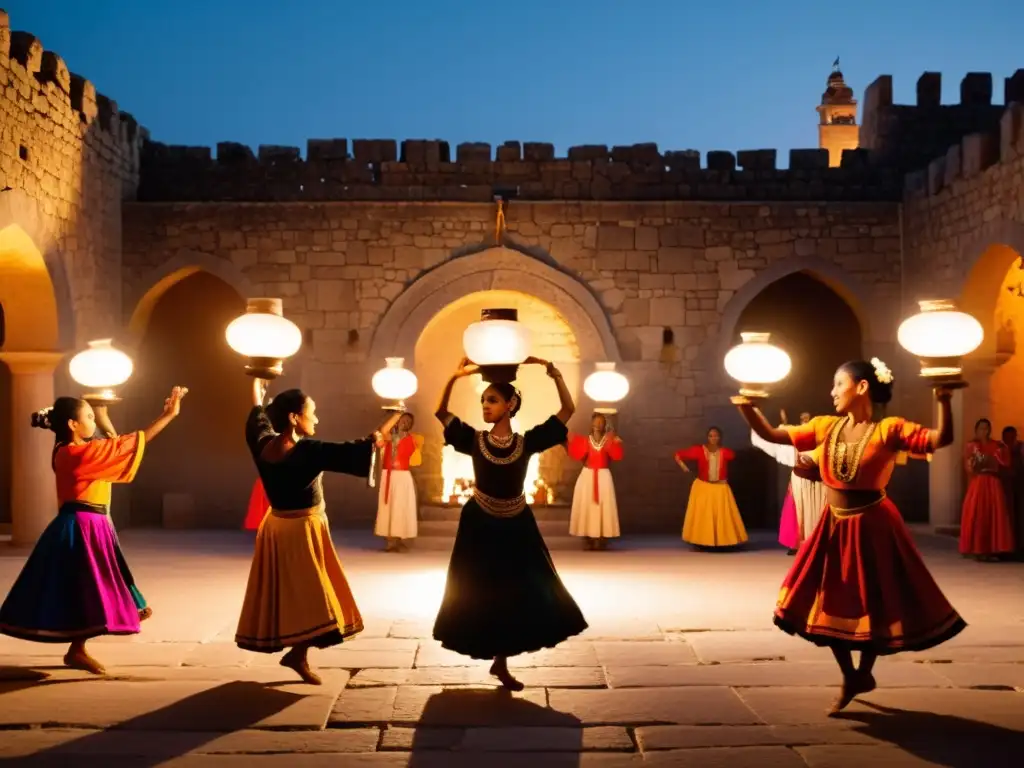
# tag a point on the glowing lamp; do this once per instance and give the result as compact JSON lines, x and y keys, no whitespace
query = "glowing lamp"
{"x":394,"y":382}
{"x":264,"y":336}
{"x":101,"y":369}
{"x":755,"y":363}
{"x":498,"y":343}
{"x":606,"y":385}
{"x":940,"y":336}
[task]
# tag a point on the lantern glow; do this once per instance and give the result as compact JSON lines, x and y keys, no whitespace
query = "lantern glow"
{"x":498,"y":343}
{"x":101,"y":369}
{"x":264,"y":336}
{"x":606,"y":385}
{"x":940,"y":336}
{"x":395,"y":382}
{"x":755,"y":363}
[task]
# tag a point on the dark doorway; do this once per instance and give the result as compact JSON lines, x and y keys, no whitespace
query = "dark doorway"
{"x":820,"y":331}
{"x":199,"y":467}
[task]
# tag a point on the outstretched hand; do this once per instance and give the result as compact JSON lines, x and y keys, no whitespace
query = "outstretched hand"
{"x":172,"y":405}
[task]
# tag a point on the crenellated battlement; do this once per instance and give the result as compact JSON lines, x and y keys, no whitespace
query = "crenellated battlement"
{"x":909,"y":136}
{"x":43,"y":81}
{"x":418,"y":169}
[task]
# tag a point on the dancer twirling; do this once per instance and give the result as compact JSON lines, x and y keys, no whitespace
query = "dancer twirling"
{"x":805,"y":497}
{"x":297,"y":596}
{"x":76,"y":584}
{"x":503,"y":596}
{"x":859,"y":583}
{"x":986,"y":524}
{"x":712,"y":517}
{"x":396,"y":500}
{"x":595,"y":513}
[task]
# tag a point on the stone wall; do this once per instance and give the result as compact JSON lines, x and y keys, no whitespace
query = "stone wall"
{"x":907,"y":137}
{"x":421,"y":170}
{"x":71,"y":157}
{"x":638,"y":270}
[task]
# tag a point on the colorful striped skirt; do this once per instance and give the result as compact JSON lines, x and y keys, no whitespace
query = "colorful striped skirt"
{"x":76,"y":583}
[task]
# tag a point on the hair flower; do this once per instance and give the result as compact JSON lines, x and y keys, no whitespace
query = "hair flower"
{"x":882,"y":372}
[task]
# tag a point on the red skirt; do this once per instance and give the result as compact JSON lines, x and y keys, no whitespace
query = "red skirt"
{"x":259,"y":505}
{"x":859,"y":583}
{"x":986,"y":526}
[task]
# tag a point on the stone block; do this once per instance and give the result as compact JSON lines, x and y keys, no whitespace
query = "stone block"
{"x":473,"y":152}
{"x":980,"y":151}
{"x":425,"y":152}
{"x":83,"y":97}
{"x":668,"y":311}
{"x":808,"y":159}
{"x":53,"y":70}
{"x":719,"y":160}
{"x":1011,"y":131}
{"x":936,"y":175}
{"x":374,"y":151}
{"x":27,"y":50}
{"x":636,"y":312}
{"x":586,"y":152}
{"x":647,"y":239}
{"x":326,"y":149}
{"x":683,"y":160}
{"x":953,"y":165}
{"x":654,"y":706}
{"x":614,"y":237}
{"x":756,"y":159}
{"x":673,"y":260}
{"x":538,"y":152}
{"x":332,"y":295}
{"x":976,"y":89}
{"x":510,"y":152}
{"x":929,"y":89}
{"x":1013,"y":88}
{"x":232,"y":153}
{"x":271,"y":154}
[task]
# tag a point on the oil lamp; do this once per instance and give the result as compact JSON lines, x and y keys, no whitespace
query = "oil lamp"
{"x":498,"y":343}
{"x":940,"y":336}
{"x":607,"y":386}
{"x":265,"y":337}
{"x":755,"y":363}
{"x":394,"y":382}
{"x":101,"y":369}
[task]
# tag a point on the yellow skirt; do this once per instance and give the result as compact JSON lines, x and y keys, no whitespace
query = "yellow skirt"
{"x":712,"y":517}
{"x":297,"y":591}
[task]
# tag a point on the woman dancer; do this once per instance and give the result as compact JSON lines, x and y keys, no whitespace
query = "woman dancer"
{"x":986,"y":526}
{"x":503,"y":596}
{"x":297,"y":596}
{"x":712,"y":517}
{"x":859,"y":583}
{"x":76,"y":584}
{"x":595,"y":515}
{"x":396,"y":500}
{"x":805,"y":497}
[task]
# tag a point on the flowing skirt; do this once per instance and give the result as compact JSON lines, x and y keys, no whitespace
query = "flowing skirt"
{"x":594,"y":519}
{"x":986,"y":525}
{"x":503,"y":596}
{"x":76,"y":583}
{"x":809,"y":498}
{"x":789,"y":528}
{"x":297,"y":590}
{"x":859,"y":583}
{"x":259,"y":506}
{"x":396,"y":515}
{"x":712,"y":517}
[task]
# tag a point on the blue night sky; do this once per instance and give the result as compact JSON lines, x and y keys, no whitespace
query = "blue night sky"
{"x":735,"y":74}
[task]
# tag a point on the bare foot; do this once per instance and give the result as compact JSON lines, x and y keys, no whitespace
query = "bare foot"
{"x":852,"y":687}
{"x":501,"y":672}
{"x":300,"y":665}
{"x":83,"y":662}
{"x":145,"y":613}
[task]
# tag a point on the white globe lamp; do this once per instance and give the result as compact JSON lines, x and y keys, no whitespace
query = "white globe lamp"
{"x":101,"y":369}
{"x":265,"y":337}
{"x":606,"y":386}
{"x":756,"y":363}
{"x":498,"y":343}
{"x":394,"y":382}
{"x":940,"y":336}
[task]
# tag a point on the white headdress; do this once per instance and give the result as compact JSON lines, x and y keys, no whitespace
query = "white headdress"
{"x":882,"y":372}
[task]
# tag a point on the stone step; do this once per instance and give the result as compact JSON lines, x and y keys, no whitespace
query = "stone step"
{"x":449,"y":527}
{"x":555,"y":512}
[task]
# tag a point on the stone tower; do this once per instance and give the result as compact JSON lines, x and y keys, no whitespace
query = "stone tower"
{"x":837,"y":129}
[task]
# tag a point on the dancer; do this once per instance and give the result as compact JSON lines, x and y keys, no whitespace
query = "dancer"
{"x":859,"y":582}
{"x":595,"y":514}
{"x":805,"y":497}
{"x":76,"y":584}
{"x":1013,"y":483}
{"x":297,"y":596}
{"x":396,"y":500}
{"x":712,"y":517}
{"x":986,"y":526}
{"x":503,"y":596}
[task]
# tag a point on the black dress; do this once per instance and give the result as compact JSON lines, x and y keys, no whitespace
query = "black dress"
{"x":503,"y":596}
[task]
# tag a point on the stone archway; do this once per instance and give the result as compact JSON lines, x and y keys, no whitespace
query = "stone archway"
{"x":500,"y":268}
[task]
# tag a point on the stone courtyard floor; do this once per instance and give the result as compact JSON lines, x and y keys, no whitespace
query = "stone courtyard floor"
{"x":681,"y":667}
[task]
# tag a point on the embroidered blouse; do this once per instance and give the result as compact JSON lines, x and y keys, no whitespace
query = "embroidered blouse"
{"x":295,"y":481}
{"x":86,"y":471}
{"x":400,"y":453}
{"x":997,"y":457}
{"x":594,"y":455}
{"x":882,"y":446}
{"x":500,"y":472}
{"x":711,"y":467}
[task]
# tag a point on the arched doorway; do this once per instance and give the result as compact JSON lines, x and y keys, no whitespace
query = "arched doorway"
{"x":437,"y":353}
{"x":820,"y":331}
{"x":198,"y":473}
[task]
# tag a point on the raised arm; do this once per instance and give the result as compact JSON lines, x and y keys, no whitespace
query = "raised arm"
{"x":466,"y":368}
{"x":759,"y":424}
{"x":103,"y":420}
{"x":567,"y":406}
{"x":172,"y":407}
{"x":942,"y":435}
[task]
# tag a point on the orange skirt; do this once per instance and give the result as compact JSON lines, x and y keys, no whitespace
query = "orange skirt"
{"x":859,"y":583}
{"x":986,"y":526}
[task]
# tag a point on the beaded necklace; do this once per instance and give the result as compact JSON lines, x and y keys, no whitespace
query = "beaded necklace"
{"x":516,"y":441}
{"x":843,"y":463}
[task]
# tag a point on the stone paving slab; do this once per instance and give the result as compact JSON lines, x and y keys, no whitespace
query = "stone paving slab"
{"x":170,"y":705}
{"x":751,"y":645}
{"x":891,"y":756}
{"x":693,"y":705}
{"x":641,"y":654}
{"x":531,"y":677}
{"x":665,"y":737}
{"x":435,"y":706}
{"x":570,"y":654}
{"x":538,"y":739}
{"x":767,"y":674}
{"x":977,"y":675}
{"x":737,"y":757}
